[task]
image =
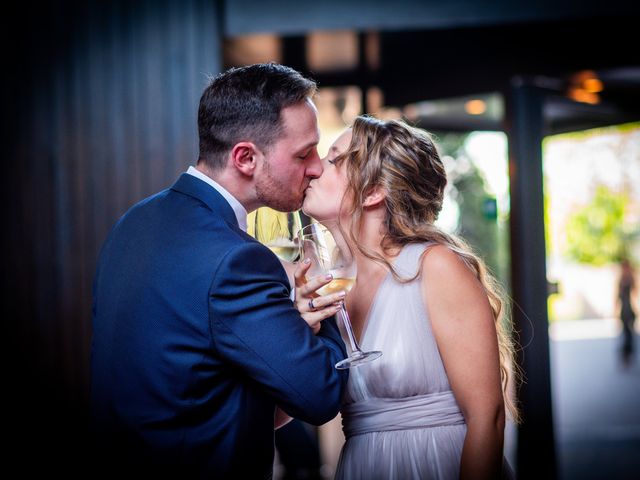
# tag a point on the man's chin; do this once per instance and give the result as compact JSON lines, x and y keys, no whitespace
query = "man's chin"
{"x":282,"y":206}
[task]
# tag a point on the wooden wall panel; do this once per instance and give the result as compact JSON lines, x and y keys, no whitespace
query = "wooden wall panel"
{"x":100,"y":111}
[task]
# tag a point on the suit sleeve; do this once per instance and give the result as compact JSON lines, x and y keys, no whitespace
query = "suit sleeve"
{"x":256,"y":328}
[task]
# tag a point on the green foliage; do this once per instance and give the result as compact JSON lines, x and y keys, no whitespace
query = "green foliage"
{"x":487,"y":236}
{"x":474,"y":226}
{"x":595,"y":233}
{"x":450,"y":144}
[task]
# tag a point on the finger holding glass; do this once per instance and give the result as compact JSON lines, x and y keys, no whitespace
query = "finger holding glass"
{"x":331,"y":257}
{"x":312,"y":307}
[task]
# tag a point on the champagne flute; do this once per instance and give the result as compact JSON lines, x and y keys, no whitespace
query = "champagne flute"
{"x":329,"y":256}
{"x":277,"y":231}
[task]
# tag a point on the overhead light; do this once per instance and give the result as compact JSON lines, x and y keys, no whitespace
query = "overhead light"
{"x":593,"y":85}
{"x":375,"y":99}
{"x":248,"y":49}
{"x":584,"y":87}
{"x":411,"y":112}
{"x":332,"y":51}
{"x":475,"y":107}
{"x":584,"y":96}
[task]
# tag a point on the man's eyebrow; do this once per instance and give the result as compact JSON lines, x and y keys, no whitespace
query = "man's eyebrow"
{"x":308,"y":145}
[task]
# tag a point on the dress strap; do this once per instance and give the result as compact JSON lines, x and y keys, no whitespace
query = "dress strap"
{"x":385,"y":414}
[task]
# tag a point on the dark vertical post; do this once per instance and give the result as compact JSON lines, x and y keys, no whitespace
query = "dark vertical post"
{"x":525,"y":126}
{"x":363,"y":81}
{"x":294,"y":53}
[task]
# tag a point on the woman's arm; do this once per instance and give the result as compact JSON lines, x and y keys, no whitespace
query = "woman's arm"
{"x":465,"y":332}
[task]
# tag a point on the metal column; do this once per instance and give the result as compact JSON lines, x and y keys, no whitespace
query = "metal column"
{"x":536,"y":456}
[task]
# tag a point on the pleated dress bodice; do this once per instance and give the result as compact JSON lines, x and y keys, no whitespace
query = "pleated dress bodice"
{"x":400,"y":417}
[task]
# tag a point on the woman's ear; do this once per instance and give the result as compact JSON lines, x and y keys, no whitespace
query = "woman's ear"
{"x":244,"y":157}
{"x":375,"y":197}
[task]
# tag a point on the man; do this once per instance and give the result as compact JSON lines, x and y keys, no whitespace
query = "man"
{"x":195,"y":338}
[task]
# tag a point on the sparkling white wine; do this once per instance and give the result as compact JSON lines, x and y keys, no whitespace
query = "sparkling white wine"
{"x":333,"y":255}
{"x":337,"y":285}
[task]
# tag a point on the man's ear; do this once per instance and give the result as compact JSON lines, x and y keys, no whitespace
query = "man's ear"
{"x":244,"y":157}
{"x":375,"y":197}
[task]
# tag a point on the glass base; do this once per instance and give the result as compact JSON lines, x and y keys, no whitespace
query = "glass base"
{"x":358,"y":358}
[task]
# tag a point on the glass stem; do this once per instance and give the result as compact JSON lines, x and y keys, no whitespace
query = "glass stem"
{"x":347,"y":325}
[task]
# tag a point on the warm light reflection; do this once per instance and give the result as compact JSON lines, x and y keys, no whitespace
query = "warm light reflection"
{"x":337,"y":108}
{"x":584,"y":87}
{"x":248,"y":49}
{"x":475,"y":107}
{"x":411,"y":112}
{"x":593,"y":85}
{"x":583,"y":75}
{"x":332,"y":51}
{"x":390,"y":113}
{"x":375,"y":100}
{"x":581,"y":95}
{"x":372,"y":50}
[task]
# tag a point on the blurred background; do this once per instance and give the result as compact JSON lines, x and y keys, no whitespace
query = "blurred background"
{"x":536,"y":111}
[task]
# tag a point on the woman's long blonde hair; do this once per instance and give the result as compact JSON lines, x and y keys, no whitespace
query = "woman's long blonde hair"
{"x":404,"y":162}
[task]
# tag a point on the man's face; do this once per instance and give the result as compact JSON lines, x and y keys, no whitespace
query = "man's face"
{"x":292,"y":161}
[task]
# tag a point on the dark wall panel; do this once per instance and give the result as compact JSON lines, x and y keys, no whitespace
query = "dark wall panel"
{"x":99,"y":110}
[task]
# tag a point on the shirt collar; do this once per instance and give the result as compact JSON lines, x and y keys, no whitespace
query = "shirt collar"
{"x":238,"y":209}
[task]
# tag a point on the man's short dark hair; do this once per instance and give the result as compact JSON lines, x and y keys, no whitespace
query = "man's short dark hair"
{"x":244,"y":104}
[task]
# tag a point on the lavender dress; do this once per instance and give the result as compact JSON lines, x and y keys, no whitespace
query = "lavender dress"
{"x":400,"y":418}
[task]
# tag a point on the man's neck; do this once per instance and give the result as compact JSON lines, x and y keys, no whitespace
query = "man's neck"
{"x":240,"y":188}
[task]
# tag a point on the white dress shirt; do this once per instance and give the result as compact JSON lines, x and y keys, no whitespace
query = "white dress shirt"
{"x":238,"y":209}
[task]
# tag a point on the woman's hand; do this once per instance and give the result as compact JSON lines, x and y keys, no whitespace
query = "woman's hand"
{"x":314,"y":308}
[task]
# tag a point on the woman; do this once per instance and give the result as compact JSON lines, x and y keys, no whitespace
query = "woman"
{"x":433,"y":406}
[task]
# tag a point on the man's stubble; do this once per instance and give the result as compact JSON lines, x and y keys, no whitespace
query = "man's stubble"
{"x":276,"y":194}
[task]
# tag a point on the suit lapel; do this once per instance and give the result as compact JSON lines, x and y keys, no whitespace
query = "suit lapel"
{"x":194,"y":187}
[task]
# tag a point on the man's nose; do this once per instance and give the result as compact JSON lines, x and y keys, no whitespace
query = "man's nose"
{"x":314,"y":168}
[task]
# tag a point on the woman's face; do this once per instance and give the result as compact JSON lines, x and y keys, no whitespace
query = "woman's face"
{"x":323,"y":197}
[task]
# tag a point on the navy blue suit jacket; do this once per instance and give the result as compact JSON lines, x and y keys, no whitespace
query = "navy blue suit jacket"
{"x":196,"y":341}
